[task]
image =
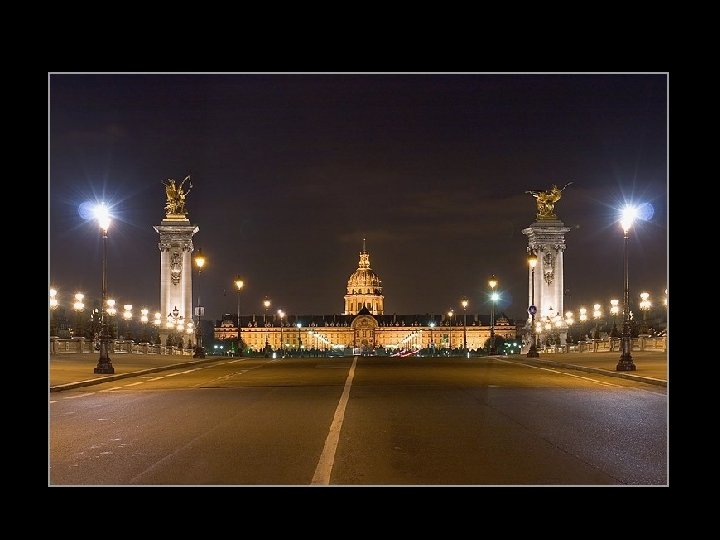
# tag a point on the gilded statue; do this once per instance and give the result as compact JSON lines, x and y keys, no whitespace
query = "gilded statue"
{"x":546,"y":201}
{"x":175,"y":204}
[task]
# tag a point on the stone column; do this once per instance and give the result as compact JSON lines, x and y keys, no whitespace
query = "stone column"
{"x":546,"y":237}
{"x":176,"y":248}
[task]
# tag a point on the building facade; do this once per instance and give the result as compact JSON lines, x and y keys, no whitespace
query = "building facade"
{"x":364,"y":325}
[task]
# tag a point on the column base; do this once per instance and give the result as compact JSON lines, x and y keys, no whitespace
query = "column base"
{"x":104,"y":368}
{"x":625,"y":364}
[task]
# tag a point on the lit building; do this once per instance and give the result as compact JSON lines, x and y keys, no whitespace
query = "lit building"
{"x":363,"y":325}
{"x":364,"y":288}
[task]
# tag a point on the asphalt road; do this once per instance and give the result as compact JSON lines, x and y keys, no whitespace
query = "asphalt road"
{"x":386,"y":421}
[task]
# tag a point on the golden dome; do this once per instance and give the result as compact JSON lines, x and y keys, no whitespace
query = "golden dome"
{"x":364,"y":280}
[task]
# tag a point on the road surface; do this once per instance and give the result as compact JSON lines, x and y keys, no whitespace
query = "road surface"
{"x":360,"y":421}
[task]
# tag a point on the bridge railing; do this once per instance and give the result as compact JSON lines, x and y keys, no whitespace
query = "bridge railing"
{"x":117,"y":346}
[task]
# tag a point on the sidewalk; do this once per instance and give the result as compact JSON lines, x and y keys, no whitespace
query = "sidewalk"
{"x":651,"y":365}
{"x":69,"y":371}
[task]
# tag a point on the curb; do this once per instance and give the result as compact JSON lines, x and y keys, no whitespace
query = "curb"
{"x":100,"y":380}
{"x":600,"y":371}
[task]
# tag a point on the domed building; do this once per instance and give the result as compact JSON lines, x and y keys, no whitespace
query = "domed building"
{"x":364,"y":288}
{"x":364,"y":327}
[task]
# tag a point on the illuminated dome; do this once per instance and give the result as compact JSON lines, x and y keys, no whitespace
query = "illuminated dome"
{"x":364,"y":288}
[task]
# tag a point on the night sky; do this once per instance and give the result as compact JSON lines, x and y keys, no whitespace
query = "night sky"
{"x":290,"y":172}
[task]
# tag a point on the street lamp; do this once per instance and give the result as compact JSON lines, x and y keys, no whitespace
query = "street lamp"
{"x":239,"y":284}
{"x":450,"y":314}
{"x":104,"y":365}
{"x":464,"y":302}
{"x":53,"y":307}
{"x":432,"y":343}
{"x":532,"y":263}
{"x":569,"y":321}
{"x":299,"y":339}
{"x":266,"y":305}
{"x":127,"y":316}
{"x":200,"y":264}
{"x":596,"y":315}
{"x":281,"y":314}
{"x":645,"y":305}
{"x":583,"y":319}
{"x":493,"y":298}
{"x":627,"y":216}
{"x":78,"y":306}
{"x":614,"y":310}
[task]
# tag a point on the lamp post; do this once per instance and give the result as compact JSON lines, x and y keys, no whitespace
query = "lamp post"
{"x":596,"y":315}
{"x":79,"y":307}
{"x":464,"y":303}
{"x":450,"y":314}
{"x":627,"y":217}
{"x":493,"y":298}
{"x":175,"y":320}
{"x":104,"y":365}
{"x":569,"y":321}
{"x":53,"y":307}
{"x":614,"y":310}
{"x":266,"y":305}
{"x":200,"y":264}
{"x":645,"y":306}
{"x":281,"y":314}
{"x":239,"y":284}
{"x":299,"y":325}
{"x":127,"y":316}
{"x":144,"y":320}
{"x":532,"y":262}
{"x":432,"y":343}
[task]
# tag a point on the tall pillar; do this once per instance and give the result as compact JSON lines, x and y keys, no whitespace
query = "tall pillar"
{"x":176,"y":249}
{"x":546,"y":237}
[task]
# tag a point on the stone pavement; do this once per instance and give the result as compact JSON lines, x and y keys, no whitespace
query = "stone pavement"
{"x":68,"y":371}
{"x":652,"y":366}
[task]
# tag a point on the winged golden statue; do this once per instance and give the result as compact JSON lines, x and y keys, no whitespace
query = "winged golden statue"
{"x":175,"y":195}
{"x":546,"y":201}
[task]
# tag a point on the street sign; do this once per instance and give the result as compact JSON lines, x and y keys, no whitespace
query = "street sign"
{"x":532,"y":310}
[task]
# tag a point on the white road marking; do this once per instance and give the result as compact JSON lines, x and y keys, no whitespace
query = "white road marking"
{"x":548,"y":369}
{"x":173,"y":374}
{"x":135,"y":383}
{"x":53,"y":401}
{"x":233,"y":361}
{"x":190,"y":370}
{"x":327,"y":457}
{"x":80,"y":395}
{"x":111,"y":389}
{"x":156,"y":378}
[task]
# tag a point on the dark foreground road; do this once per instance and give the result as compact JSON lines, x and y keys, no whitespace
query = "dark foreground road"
{"x":386,"y":421}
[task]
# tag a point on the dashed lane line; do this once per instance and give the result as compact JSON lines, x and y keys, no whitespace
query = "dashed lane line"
{"x":327,"y":457}
{"x":53,"y":401}
{"x":156,"y":378}
{"x":563,"y":373}
{"x":80,"y":395}
{"x":135,"y":383}
{"x":111,"y":389}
